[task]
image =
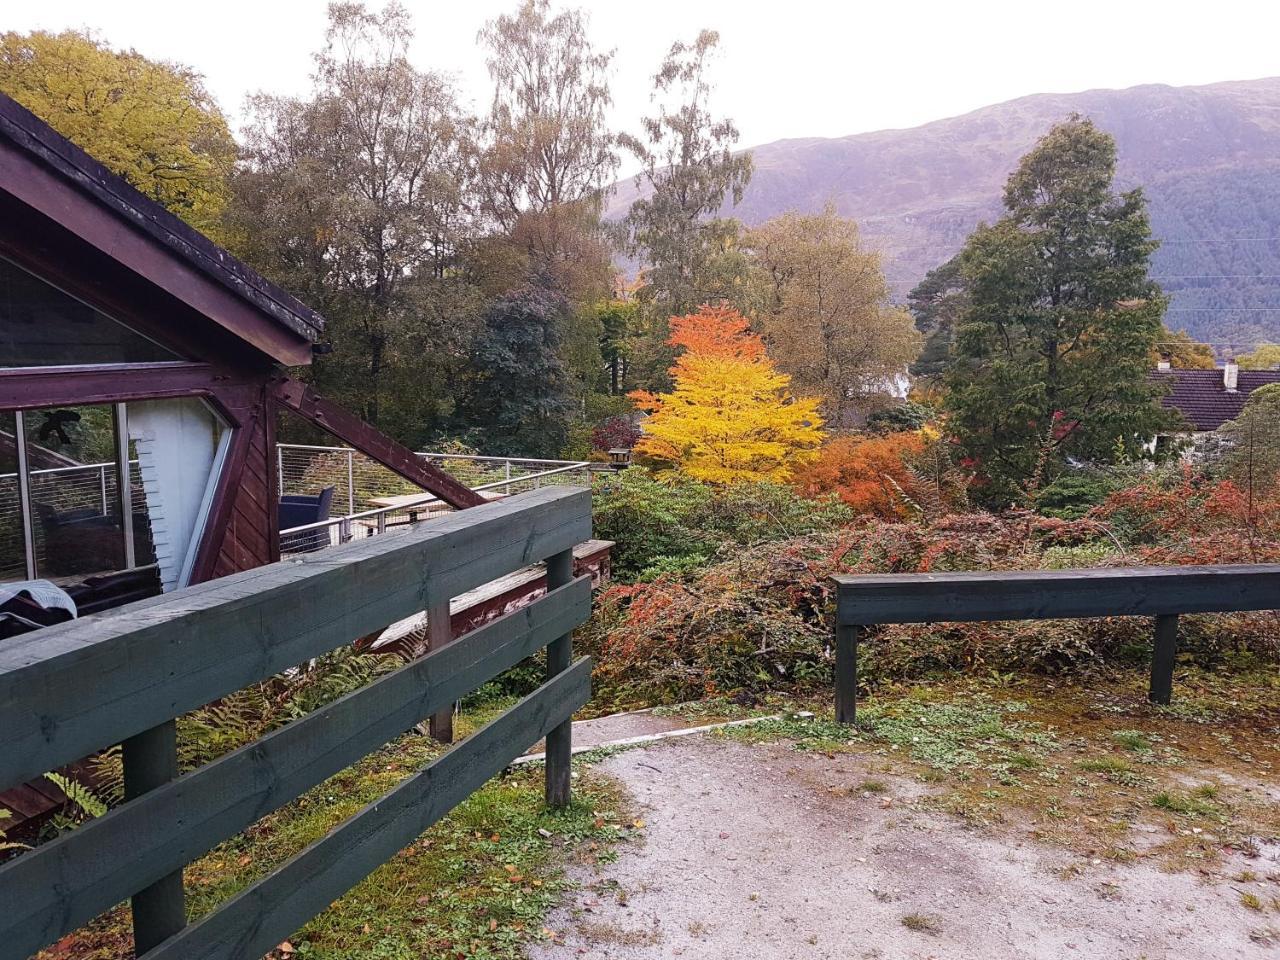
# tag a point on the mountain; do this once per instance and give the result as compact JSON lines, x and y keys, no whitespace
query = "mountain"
{"x":1208,"y":158}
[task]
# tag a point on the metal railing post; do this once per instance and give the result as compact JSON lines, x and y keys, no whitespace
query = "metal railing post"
{"x":559,"y":658}
{"x":280,"y":468}
{"x":24,"y":493}
{"x":351,"y":482}
{"x":124,"y":485}
{"x":102,"y":488}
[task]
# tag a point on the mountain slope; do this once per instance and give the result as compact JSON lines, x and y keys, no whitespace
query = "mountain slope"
{"x":1208,"y":158}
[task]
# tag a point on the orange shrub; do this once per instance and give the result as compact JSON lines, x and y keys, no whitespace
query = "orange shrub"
{"x":870,"y":474}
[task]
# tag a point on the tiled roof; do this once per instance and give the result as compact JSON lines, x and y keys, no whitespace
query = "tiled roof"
{"x":1199,"y":395}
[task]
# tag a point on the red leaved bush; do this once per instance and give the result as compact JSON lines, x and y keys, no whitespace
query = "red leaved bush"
{"x":1194,"y":521}
{"x":761,"y":621}
{"x":870,"y":474}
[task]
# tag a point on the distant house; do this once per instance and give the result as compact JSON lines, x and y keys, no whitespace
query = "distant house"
{"x":1208,"y":398}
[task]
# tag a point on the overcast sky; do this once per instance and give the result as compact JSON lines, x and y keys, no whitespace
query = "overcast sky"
{"x":788,"y":68}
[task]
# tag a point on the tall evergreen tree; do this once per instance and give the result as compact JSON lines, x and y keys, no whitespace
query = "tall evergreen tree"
{"x":1052,"y":351}
{"x":518,"y":398}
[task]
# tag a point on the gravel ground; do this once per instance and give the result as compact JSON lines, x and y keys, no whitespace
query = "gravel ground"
{"x":765,"y":853}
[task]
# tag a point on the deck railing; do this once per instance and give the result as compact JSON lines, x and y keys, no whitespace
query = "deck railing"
{"x":359,"y":482}
{"x":124,"y":676}
{"x":1160,"y":592}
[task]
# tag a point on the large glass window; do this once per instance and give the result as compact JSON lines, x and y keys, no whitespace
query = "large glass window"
{"x":81,"y":524}
{"x":40,"y":326}
{"x":91,"y":497}
{"x":13,"y":561}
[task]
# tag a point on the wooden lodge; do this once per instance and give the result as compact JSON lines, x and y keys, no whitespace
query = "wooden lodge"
{"x":142,"y":375}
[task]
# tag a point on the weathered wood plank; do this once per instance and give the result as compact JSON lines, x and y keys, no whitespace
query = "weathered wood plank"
{"x":61,"y":885}
{"x":1050,"y":594}
{"x":1164,"y":654}
{"x":558,"y":769}
{"x":846,"y":668}
{"x":258,"y":918}
{"x":71,"y":689}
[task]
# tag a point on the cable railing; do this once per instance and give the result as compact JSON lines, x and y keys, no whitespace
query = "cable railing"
{"x":377,"y":501}
{"x":368,"y":498}
{"x":87,"y":486}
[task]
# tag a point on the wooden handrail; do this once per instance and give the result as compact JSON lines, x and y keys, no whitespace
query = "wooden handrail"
{"x":69,"y":690}
{"x":1160,"y":592}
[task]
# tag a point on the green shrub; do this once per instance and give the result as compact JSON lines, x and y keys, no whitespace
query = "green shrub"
{"x":1073,"y":495}
{"x":660,"y":521}
{"x":903,"y":416}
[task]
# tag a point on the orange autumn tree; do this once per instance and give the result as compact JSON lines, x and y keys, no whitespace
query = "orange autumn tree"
{"x":870,"y":474}
{"x":730,"y":416}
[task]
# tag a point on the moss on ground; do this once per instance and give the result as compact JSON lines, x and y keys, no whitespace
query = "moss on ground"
{"x":1090,"y":766}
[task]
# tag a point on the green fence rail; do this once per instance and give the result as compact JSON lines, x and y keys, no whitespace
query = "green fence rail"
{"x":123,"y":677}
{"x":1160,"y":592}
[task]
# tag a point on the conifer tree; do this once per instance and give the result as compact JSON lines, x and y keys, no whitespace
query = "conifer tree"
{"x":1053,"y":346}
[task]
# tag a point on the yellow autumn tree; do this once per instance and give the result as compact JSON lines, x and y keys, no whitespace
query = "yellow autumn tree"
{"x":152,"y":123}
{"x":730,"y":416}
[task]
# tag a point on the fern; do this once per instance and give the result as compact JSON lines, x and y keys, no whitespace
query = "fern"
{"x":85,"y":800}
{"x":9,"y":844}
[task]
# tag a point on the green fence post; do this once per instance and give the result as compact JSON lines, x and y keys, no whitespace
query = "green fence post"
{"x":559,"y":658}
{"x":846,"y":672}
{"x":1163,"y":654}
{"x":151,"y":760}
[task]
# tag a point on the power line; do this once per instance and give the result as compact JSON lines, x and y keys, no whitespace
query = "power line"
{"x":1223,"y":240}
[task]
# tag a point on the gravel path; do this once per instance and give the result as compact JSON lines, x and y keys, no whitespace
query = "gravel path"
{"x":765,"y":853}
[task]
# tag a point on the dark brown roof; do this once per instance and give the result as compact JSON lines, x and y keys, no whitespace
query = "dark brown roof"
{"x":1200,"y":397}
{"x":34,"y":137}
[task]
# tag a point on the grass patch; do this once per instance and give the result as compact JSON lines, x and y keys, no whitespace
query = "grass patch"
{"x":920,"y":923}
{"x":948,"y":735}
{"x":478,"y":884}
{"x":1133,"y":740}
{"x":1184,"y":804}
{"x":1116,"y":769}
{"x":807,"y":733}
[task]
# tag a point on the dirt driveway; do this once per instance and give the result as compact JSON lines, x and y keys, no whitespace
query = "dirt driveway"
{"x":760,"y":851}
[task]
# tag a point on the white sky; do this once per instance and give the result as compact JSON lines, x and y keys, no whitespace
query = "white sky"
{"x":789,"y":68}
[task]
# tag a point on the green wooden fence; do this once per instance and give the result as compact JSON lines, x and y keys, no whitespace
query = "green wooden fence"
{"x":123,"y":677}
{"x":1160,"y":592}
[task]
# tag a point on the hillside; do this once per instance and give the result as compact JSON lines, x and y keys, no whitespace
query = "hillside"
{"x":1208,"y":157}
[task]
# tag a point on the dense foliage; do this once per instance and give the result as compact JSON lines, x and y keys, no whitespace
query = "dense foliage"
{"x":152,"y":123}
{"x":1060,"y":319}
{"x":519,"y":387}
{"x":730,"y":416}
{"x":826,"y":315}
{"x":759,"y":620}
{"x":676,"y":523}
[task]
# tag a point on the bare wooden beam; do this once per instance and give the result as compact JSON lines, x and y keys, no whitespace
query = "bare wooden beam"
{"x":373,"y":443}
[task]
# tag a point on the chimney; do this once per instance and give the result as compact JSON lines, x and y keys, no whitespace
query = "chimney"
{"x":1230,"y":375}
{"x":1163,"y":364}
